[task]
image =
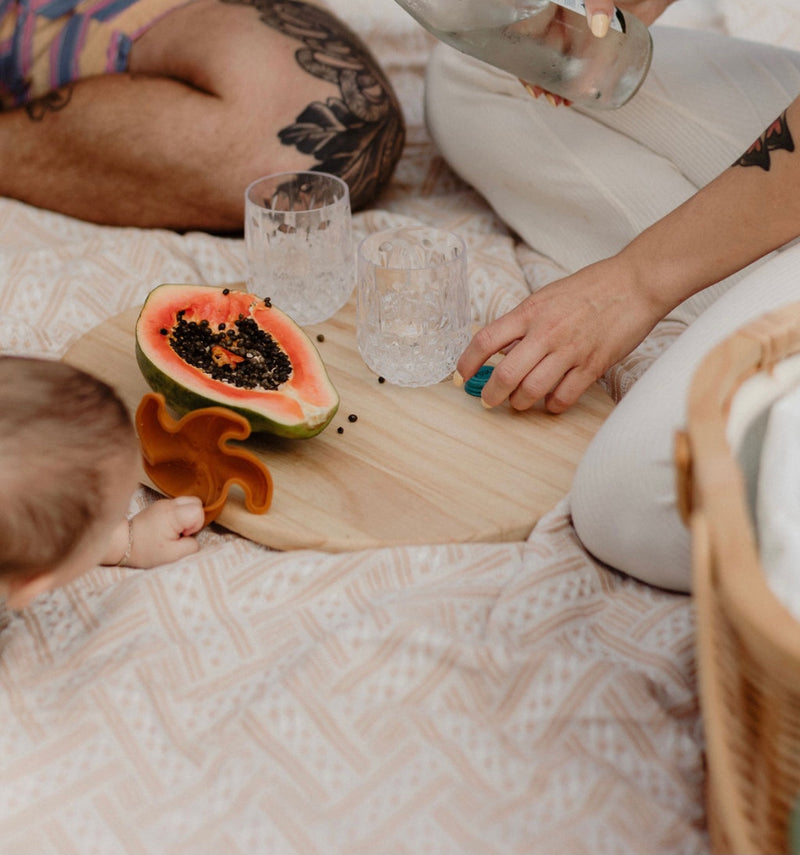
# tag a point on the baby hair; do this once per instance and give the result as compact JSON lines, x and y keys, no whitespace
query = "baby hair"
{"x":61,"y":431}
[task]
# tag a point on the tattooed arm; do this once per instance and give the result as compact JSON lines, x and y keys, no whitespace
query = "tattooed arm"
{"x":749,"y":210}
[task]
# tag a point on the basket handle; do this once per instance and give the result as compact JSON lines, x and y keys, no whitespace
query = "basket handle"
{"x":684,"y":482}
{"x":724,"y":796}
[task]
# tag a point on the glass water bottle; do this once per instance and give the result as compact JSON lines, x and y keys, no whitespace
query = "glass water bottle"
{"x":547,"y":43}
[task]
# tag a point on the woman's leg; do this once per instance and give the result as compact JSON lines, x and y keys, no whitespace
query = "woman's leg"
{"x":623,"y":495}
{"x":578,"y":187}
{"x":217,"y":94}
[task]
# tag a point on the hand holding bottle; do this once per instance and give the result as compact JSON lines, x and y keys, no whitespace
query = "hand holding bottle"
{"x":546,"y":43}
{"x":599,"y":14}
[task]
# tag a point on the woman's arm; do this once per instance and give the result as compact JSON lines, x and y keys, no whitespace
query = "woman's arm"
{"x":752,"y":208}
{"x":561,"y":339}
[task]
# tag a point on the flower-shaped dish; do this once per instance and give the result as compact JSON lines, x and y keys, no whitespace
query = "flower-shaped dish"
{"x":192,"y":456}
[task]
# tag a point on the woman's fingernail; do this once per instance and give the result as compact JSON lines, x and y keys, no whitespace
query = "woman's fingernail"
{"x":458,"y":379}
{"x":485,"y":405}
{"x":551,"y":99}
{"x":599,"y":23}
{"x":531,"y":90}
{"x":187,"y":500}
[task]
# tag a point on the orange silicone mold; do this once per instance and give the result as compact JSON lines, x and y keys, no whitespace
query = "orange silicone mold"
{"x":191,"y":456}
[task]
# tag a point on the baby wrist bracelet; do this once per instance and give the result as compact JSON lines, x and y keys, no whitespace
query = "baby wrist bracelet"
{"x":127,"y":554}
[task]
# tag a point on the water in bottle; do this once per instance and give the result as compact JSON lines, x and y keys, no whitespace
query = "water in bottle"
{"x":547,"y":43}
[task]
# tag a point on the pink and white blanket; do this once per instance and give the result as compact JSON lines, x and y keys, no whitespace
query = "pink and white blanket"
{"x":483,"y":698}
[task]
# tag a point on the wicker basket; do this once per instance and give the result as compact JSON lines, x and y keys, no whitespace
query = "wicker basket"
{"x":748,"y":644}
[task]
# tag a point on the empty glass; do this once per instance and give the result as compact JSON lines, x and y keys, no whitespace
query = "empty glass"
{"x":298,"y":237}
{"x":412,"y":304}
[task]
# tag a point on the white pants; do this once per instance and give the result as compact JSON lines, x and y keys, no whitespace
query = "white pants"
{"x":578,"y":186}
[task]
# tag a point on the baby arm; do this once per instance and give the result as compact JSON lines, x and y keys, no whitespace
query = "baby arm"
{"x":561,"y":339}
{"x":161,"y":533}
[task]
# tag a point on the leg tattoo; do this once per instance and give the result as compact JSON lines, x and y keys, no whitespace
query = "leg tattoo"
{"x":776,"y":136}
{"x":359,"y":135}
{"x":50,"y":103}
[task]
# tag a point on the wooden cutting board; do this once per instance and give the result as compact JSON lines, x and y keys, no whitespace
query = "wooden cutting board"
{"x":418,"y":466}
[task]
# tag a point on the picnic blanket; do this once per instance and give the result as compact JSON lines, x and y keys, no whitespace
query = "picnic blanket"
{"x":461,"y":698}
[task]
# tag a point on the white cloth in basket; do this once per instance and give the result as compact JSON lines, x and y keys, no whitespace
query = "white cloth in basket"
{"x":778,"y":501}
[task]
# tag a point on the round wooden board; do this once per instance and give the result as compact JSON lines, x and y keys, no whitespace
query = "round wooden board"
{"x":418,"y":466}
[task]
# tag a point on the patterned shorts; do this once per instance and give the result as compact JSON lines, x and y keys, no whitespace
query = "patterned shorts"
{"x":45,"y":44}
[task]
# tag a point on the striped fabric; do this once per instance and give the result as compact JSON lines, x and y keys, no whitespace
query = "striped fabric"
{"x":45,"y":44}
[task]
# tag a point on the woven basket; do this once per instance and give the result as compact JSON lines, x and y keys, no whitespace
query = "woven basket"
{"x":748,"y":644}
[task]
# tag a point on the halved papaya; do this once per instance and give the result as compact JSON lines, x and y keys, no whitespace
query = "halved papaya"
{"x":200,"y":346}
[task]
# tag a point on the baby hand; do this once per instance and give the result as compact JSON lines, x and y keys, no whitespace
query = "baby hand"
{"x":162,"y":532}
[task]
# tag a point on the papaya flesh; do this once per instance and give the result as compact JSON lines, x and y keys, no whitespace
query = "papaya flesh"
{"x":201,"y":346}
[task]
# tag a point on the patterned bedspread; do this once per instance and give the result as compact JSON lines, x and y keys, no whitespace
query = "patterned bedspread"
{"x":483,"y":698}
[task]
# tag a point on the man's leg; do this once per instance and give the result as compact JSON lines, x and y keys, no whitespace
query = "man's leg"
{"x":217,"y":94}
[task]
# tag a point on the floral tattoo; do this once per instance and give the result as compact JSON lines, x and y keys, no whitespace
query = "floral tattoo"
{"x":50,"y":103}
{"x":776,"y":136}
{"x":359,"y":135}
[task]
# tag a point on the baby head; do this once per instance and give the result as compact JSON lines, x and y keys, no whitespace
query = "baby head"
{"x":68,"y":467}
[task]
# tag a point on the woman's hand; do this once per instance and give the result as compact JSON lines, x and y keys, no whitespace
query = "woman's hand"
{"x":558,"y":341}
{"x":599,"y":12}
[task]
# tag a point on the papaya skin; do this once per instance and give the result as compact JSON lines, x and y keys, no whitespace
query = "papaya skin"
{"x":300,"y":408}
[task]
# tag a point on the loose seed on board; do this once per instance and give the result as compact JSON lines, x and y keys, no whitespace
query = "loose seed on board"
{"x":352,"y":417}
{"x":340,"y":430}
{"x":320,"y":337}
{"x":381,"y":379}
{"x":226,"y":291}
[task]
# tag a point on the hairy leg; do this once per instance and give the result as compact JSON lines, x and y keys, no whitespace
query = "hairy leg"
{"x":217,"y":94}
